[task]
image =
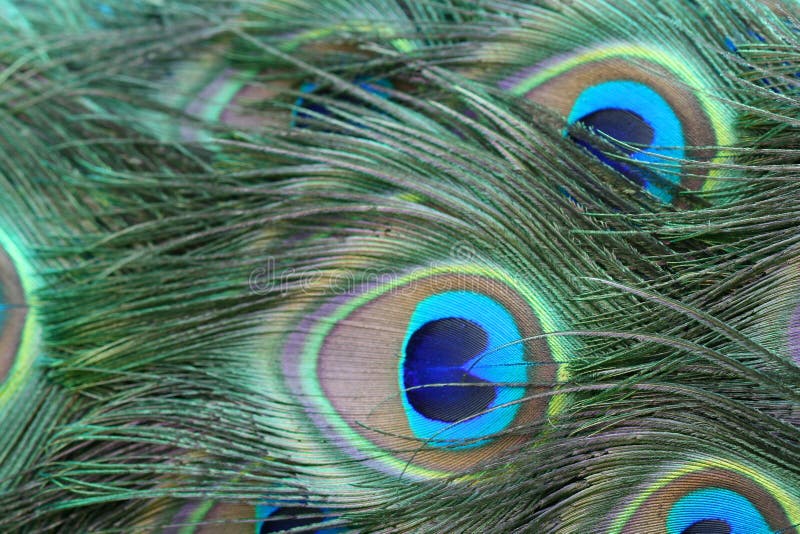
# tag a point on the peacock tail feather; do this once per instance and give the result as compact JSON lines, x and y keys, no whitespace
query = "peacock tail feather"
{"x":439,"y":266}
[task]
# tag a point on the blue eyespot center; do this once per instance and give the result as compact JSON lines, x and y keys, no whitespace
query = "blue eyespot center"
{"x":634,"y":114}
{"x":621,"y":124}
{"x":624,"y":126}
{"x":437,"y":353}
{"x":462,"y":369}
{"x":291,"y":517}
{"x":309,"y":108}
{"x":718,"y":508}
{"x":708,"y":526}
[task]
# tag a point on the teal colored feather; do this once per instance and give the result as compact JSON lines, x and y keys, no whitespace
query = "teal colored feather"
{"x":441,"y":266}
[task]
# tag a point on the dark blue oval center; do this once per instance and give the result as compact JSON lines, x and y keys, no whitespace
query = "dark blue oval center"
{"x":436,"y":354}
{"x":708,"y":526}
{"x":293,"y":518}
{"x":307,"y":108}
{"x":620,"y":124}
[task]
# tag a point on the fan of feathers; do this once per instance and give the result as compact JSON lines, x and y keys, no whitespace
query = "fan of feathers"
{"x":400,"y":266}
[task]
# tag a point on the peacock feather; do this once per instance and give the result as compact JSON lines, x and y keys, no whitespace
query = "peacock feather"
{"x":439,"y":266}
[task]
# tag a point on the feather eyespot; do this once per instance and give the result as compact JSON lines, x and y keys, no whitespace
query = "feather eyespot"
{"x":235,"y":97}
{"x":655,"y":109}
{"x":17,"y":321}
{"x":712,"y":497}
{"x":311,"y":105}
{"x":280,"y":519}
{"x":458,"y":345}
{"x":427,"y":374}
{"x":208,"y":517}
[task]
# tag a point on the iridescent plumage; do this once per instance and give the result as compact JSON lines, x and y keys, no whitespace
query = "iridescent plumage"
{"x":487,"y":266}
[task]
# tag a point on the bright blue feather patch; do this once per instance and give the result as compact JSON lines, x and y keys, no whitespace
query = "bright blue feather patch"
{"x":633,"y":113}
{"x":279,"y":525}
{"x":714,"y":508}
{"x":470,"y":341}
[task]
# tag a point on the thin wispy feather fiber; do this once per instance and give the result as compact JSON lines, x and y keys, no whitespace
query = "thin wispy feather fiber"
{"x":438,"y":266}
